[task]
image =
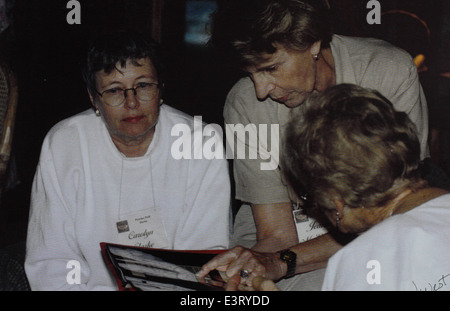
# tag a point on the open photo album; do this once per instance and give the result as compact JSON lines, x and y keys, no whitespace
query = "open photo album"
{"x":148,"y":269}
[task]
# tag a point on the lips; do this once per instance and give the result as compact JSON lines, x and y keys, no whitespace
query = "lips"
{"x":133,"y":120}
{"x":282,"y":99}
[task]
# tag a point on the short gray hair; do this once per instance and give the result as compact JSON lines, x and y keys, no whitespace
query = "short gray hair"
{"x":353,"y":143}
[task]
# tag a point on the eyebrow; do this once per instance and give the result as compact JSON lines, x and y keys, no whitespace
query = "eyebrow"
{"x":265,"y":67}
{"x":151,"y":77}
{"x":267,"y":62}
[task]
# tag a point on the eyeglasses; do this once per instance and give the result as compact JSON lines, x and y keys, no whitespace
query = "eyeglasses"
{"x":144,"y":91}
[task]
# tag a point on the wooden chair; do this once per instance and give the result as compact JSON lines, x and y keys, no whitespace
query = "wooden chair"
{"x":8,"y":108}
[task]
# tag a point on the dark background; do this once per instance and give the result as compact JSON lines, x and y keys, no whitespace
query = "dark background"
{"x":46,"y":53}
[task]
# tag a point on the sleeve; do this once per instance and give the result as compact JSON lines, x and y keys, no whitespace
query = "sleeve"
{"x":207,"y":213}
{"x":393,"y":73}
{"x":52,"y":253}
{"x":410,"y":98}
{"x":245,"y":120}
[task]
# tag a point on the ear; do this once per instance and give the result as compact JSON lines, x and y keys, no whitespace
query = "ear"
{"x":91,"y":98}
{"x":339,"y":204}
{"x":161,"y":90}
{"x":315,"y":47}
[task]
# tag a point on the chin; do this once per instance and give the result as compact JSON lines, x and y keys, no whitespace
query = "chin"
{"x":293,"y":103}
{"x":353,"y":230}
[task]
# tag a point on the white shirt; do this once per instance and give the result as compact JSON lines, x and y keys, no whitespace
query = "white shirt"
{"x":405,"y":252}
{"x":84,"y":186}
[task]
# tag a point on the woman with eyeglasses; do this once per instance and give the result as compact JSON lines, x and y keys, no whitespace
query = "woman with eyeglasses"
{"x":108,"y":174}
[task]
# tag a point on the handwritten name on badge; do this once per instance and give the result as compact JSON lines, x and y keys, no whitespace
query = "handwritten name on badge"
{"x":146,"y":229}
{"x":307,"y":228}
{"x":441,"y":283}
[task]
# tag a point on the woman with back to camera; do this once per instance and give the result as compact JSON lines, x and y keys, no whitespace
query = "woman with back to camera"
{"x":357,"y":157}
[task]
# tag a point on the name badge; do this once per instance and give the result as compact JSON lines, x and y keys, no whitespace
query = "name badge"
{"x":307,"y":227}
{"x":144,"y":229}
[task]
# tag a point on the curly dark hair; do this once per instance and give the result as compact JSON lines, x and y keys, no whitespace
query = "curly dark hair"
{"x":107,"y":50}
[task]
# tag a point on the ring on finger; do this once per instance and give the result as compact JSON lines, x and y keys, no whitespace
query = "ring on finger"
{"x":244,"y":274}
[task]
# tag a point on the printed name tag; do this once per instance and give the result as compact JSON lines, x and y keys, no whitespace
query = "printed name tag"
{"x":144,"y":229}
{"x":307,"y":227}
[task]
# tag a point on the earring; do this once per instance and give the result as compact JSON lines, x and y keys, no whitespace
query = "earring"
{"x":338,"y":219}
{"x":97,"y":112}
{"x":316,"y":57}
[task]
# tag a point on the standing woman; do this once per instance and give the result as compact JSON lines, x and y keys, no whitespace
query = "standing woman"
{"x":289,"y":53}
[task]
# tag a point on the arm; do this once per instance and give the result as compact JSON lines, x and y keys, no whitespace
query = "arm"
{"x":260,"y":283}
{"x":393,"y":73}
{"x":410,"y":98}
{"x":275,"y":227}
{"x":314,"y":254}
{"x":264,"y":261}
{"x":311,"y":255}
{"x":51,"y":242}
{"x":274,"y":222}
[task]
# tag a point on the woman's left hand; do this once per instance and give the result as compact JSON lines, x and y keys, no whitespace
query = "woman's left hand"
{"x":239,"y":267}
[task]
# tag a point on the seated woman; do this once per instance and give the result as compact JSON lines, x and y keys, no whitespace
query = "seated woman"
{"x":107,"y":175}
{"x":358,"y":159}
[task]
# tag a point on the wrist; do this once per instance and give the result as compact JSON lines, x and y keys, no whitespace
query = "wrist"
{"x":282,"y":267}
{"x":289,"y":263}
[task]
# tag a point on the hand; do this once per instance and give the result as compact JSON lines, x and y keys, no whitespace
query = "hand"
{"x":262,"y":284}
{"x":258,"y":284}
{"x":255,"y":264}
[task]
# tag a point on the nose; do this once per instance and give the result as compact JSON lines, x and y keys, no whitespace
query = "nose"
{"x":131,"y":102}
{"x":263,"y":86}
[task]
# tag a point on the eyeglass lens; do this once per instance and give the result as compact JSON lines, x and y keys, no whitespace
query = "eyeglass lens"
{"x":117,"y":96}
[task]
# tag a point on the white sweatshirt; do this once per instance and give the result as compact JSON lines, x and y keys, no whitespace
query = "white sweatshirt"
{"x":405,"y":252}
{"x":84,"y":186}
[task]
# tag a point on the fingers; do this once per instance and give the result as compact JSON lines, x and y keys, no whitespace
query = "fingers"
{"x":258,"y":284}
{"x":262,"y":284}
{"x":220,"y":262}
{"x":233,"y":283}
{"x":244,"y":261}
{"x":239,"y":267}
